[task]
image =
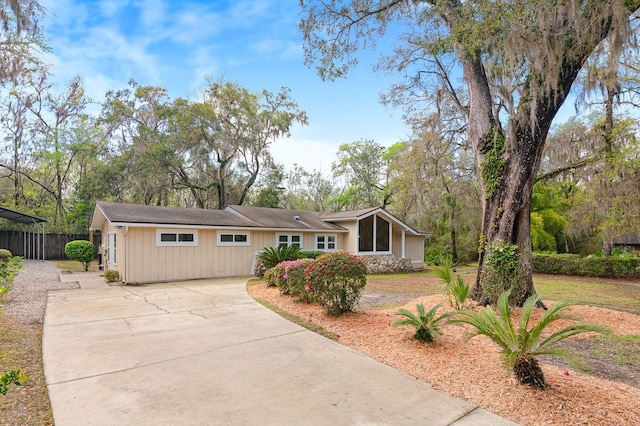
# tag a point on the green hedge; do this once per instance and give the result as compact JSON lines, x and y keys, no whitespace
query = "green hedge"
{"x":572,"y":264}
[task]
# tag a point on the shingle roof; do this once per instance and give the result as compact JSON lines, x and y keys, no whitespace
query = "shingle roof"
{"x":232,"y":216}
{"x":134,"y":213}
{"x":349,"y":214}
{"x":281,"y":218}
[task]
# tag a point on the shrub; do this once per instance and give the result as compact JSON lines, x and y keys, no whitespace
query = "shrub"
{"x":427,"y":325}
{"x":5,"y":255}
{"x":290,"y":277}
{"x":9,"y":269}
{"x":81,"y":250}
{"x":572,"y":264}
{"x":520,"y":345}
{"x":271,"y":256}
{"x":336,"y":280}
{"x":311,"y":254}
{"x":111,"y":275}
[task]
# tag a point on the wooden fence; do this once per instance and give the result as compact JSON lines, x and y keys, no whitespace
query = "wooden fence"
{"x":29,"y":245}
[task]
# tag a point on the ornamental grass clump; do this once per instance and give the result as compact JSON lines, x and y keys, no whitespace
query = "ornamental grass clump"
{"x":522,"y":343}
{"x":336,"y":280}
{"x":427,"y":324}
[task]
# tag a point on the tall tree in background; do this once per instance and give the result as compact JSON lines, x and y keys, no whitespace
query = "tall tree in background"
{"x":434,"y":180}
{"x":363,"y":166}
{"x":226,"y":135}
{"x":519,"y":59}
{"x":136,"y":120}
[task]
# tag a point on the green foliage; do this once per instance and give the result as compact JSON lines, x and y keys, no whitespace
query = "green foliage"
{"x":572,"y":264}
{"x":81,"y":250}
{"x":111,"y":275}
{"x":540,"y":238}
{"x":5,"y":255}
{"x":456,"y":289}
{"x":14,"y":377}
{"x":291,"y":278}
{"x":521,"y":343}
{"x":271,"y":256}
{"x":9,"y":270}
{"x":501,"y":271}
{"x":493,"y":164}
{"x":311,"y":254}
{"x":336,"y":281}
{"x":427,"y":324}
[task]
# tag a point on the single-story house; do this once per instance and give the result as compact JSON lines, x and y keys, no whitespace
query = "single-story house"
{"x":154,"y":244}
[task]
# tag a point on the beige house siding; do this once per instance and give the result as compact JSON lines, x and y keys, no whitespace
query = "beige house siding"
{"x":348,"y":240}
{"x":414,"y":250}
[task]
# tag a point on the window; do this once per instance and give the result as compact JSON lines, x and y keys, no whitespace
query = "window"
{"x":232,"y":239}
{"x":168,"y":237}
{"x":111,"y":248}
{"x":374,"y":235}
{"x":325,"y":242}
{"x":286,"y":240}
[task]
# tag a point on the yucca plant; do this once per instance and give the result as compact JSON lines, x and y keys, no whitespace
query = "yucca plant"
{"x":427,"y":324}
{"x":520,"y":345}
{"x":455,"y":288}
{"x":271,"y":256}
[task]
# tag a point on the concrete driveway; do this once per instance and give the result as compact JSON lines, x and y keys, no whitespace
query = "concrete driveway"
{"x":205,"y":353}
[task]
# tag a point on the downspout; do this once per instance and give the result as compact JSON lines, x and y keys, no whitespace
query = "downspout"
{"x":403,"y":243}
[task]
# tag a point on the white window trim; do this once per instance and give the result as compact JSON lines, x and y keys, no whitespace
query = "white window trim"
{"x":193,"y":243}
{"x":233,"y":243}
{"x":335,"y":242}
{"x":289,"y":239}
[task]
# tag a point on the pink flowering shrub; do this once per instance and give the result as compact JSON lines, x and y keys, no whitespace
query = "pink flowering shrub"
{"x":336,"y":280}
{"x":290,"y":278}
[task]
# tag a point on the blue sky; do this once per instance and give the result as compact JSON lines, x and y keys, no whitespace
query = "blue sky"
{"x":256,"y":43}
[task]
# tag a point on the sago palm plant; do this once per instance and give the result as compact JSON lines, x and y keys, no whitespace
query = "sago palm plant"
{"x":455,"y":288}
{"x":427,"y":324}
{"x":520,"y":345}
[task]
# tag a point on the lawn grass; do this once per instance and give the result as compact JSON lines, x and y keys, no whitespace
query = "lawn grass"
{"x":75,"y":266}
{"x":620,"y":350}
{"x":611,"y":295}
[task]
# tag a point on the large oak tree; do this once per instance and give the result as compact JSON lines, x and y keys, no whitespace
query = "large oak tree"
{"x":519,"y":60}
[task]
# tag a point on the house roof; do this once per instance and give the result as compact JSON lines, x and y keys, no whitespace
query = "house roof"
{"x":141,"y":214}
{"x":233,"y":217}
{"x":284,"y":218}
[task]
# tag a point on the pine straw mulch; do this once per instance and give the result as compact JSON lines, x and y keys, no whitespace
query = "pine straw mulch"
{"x":473,"y":370}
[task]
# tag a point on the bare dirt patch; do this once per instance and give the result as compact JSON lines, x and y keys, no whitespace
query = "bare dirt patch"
{"x":473,"y":370}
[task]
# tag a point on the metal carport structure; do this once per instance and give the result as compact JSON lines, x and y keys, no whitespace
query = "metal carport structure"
{"x":33,"y":241}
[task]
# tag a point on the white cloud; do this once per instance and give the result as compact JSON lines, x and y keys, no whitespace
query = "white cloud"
{"x":308,"y":154}
{"x":109,"y":8}
{"x":153,"y":13}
